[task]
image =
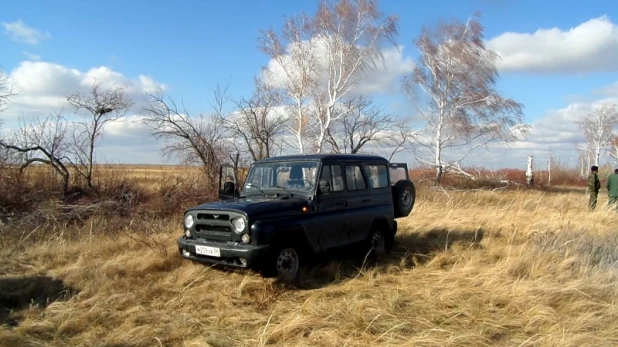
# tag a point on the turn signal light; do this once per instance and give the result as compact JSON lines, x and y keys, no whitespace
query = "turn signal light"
{"x":305,"y":209}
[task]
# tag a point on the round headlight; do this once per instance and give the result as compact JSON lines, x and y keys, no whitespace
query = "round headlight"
{"x":188,"y":221}
{"x":239,"y":225}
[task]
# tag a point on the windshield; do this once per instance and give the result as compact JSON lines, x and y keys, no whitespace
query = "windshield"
{"x":293,"y":176}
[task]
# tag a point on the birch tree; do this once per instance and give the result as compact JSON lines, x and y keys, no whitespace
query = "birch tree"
{"x":325,"y":57}
{"x":353,"y":33}
{"x":293,"y":62}
{"x":613,"y":150}
{"x":597,"y":128}
{"x":453,"y":87}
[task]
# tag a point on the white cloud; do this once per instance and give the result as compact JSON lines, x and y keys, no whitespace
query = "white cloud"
{"x":43,"y":86}
{"x":31,"y":56}
{"x":20,"y":32}
{"x":591,"y":46}
{"x":383,"y":79}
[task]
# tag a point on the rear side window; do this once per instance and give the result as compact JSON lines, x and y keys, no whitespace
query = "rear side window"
{"x":354,"y":177}
{"x":377,"y":176}
{"x":397,"y":174}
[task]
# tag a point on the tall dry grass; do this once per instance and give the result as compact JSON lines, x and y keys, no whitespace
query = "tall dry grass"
{"x":476,"y":268}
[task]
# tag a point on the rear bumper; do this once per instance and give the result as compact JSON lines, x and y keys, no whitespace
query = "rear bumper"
{"x":230,"y":252}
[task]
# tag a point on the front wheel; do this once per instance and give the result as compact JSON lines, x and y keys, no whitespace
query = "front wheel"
{"x":284,"y":263}
{"x":287,"y":264}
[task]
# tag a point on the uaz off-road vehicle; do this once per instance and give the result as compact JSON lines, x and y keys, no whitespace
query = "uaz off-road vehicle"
{"x":294,"y":207}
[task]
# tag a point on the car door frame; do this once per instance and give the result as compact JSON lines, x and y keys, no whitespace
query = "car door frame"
{"x":332,"y":211}
{"x":358,"y":221}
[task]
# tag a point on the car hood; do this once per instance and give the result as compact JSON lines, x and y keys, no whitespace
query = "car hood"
{"x":255,"y":205}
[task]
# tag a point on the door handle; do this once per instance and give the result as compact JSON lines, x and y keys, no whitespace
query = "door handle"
{"x":342,"y":203}
{"x":366,"y":200}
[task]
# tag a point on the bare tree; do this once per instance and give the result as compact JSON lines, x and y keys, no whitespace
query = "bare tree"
{"x":400,"y":138}
{"x":328,"y":55}
{"x":292,"y":71}
{"x":455,"y":78}
{"x":257,"y":123}
{"x":584,"y":160}
{"x":43,"y":141}
{"x":613,"y":151}
{"x":353,"y":33}
{"x":6,"y":90}
{"x":99,"y":106}
{"x":200,"y":139}
{"x":597,"y":127}
{"x":361,"y":123}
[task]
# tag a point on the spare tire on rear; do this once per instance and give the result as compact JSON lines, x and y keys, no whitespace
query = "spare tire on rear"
{"x":404,"y":196}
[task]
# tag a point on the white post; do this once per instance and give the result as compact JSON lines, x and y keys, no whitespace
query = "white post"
{"x":529,"y":178}
{"x":549,"y":162}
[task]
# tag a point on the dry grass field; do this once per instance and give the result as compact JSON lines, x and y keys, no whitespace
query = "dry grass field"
{"x":471,"y":268}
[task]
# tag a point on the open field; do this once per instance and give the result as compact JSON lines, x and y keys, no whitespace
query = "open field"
{"x":471,"y":268}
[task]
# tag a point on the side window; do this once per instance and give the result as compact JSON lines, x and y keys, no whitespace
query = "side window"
{"x":354,"y":177}
{"x":377,"y":175}
{"x":325,"y":176}
{"x":337,"y":183}
{"x":333,"y":174}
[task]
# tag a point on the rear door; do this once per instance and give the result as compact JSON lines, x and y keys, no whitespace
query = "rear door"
{"x":398,"y":171}
{"x":359,"y":212}
{"x":332,"y":207}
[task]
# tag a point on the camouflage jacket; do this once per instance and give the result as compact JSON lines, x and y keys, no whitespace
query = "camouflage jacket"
{"x":612,"y":185}
{"x":594,"y":185}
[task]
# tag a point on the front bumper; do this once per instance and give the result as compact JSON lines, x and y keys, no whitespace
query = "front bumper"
{"x":230,"y":252}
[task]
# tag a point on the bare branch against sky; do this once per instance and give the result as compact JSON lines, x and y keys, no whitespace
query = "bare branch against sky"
{"x":322,"y":58}
{"x":99,"y":106}
{"x":597,"y":127}
{"x":453,"y":87}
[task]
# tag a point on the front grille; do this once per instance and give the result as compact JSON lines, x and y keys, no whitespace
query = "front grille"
{"x":215,"y":225}
{"x":213,"y":216}
{"x":221,"y":228}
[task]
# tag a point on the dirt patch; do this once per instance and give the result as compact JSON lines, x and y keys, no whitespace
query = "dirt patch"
{"x":18,"y":293}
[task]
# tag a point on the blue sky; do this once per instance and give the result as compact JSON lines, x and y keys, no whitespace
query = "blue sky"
{"x":191,"y":46}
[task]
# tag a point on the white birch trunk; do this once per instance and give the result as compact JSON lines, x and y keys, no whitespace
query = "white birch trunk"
{"x":529,"y":175}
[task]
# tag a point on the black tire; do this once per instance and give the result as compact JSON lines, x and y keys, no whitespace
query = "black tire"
{"x":284,"y":263}
{"x":379,"y":243}
{"x":404,"y":197}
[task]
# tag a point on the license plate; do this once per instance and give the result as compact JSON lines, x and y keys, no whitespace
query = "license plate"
{"x":210,"y":251}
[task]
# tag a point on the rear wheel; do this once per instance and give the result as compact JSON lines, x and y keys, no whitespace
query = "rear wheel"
{"x":380,"y":241}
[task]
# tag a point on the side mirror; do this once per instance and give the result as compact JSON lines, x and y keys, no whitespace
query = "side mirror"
{"x":324,"y":187}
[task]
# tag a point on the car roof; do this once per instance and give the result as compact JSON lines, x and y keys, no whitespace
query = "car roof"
{"x":327,"y":157}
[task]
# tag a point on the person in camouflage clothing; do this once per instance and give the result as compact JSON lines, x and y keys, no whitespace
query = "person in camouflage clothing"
{"x":612,"y":188}
{"x":594,"y":185}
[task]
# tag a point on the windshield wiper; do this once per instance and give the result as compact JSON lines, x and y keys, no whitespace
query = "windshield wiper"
{"x":289,"y":193}
{"x":258,"y":188}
